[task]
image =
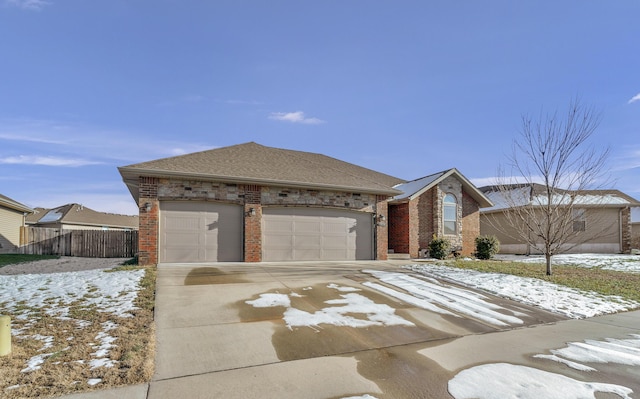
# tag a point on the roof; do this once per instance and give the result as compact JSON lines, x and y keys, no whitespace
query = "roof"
{"x":13,"y":204}
{"x":413,"y":189}
{"x":77,"y":214}
{"x":535,"y":194}
{"x":252,"y":163}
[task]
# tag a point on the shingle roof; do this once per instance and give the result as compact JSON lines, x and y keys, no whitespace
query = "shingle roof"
{"x":415,"y":188}
{"x":13,"y":204}
{"x":253,"y":163}
{"x":81,"y":215}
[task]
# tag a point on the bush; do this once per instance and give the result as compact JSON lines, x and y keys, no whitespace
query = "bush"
{"x":486,"y":247}
{"x":439,"y":248}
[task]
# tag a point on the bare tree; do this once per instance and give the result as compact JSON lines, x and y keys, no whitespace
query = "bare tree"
{"x":544,"y":188}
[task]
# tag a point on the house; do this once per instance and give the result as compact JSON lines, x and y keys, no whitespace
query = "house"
{"x":12,"y":219}
{"x":79,"y":217}
{"x":635,"y":228}
{"x":601,"y":219}
{"x":254,"y":203}
{"x":443,"y":204}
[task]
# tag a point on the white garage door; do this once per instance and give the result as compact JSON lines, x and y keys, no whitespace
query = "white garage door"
{"x":316,"y":234}
{"x":192,"y":231}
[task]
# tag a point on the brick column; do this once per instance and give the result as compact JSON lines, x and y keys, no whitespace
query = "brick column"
{"x":252,"y":224}
{"x":626,"y":233}
{"x":148,"y":221}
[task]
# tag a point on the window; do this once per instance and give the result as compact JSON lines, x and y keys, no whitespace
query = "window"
{"x":579,"y":220}
{"x":450,"y":214}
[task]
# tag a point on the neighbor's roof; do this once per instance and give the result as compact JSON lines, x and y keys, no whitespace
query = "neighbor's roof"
{"x":535,"y":194}
{"x":81,"y":215}
{"x":413,"y":189}
{"x":12,"y":204}
{"x":252,"y":163}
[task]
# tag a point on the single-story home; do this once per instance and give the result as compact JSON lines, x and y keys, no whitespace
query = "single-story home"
{"x":12,"y":219}
{"x":254,"y":203}
{"x":601,"y":219}
{"x":79,"y":217}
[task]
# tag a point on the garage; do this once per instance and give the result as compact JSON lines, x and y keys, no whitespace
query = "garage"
{"x":298,"y":234}
{"x":199,"y":231}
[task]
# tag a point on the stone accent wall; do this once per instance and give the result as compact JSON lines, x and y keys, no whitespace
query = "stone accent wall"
{"x":450,"y":185}
{"x":294,"y":196}
{"x":381,"y":229}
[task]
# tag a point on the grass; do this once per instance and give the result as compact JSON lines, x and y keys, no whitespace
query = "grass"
{"x":65,"y":368}
{"x":607,"y":282}
{"x":12,"y":259}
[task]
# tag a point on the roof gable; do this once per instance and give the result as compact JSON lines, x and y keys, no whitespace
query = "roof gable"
{"x":12,"y":204}
{"x":253,"y":163}
{"x":413,"y":189}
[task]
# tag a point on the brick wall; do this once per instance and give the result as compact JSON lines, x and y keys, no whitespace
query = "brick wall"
{"x":470,"y":224}
{"x":381,"y":225}
{"x":252,"y":224}
{"x":399,"y":228}
{"x":148,"y":221}
{"x":626,"y":244}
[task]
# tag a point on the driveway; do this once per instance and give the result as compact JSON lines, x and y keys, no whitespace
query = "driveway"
{"x":340,"y":329}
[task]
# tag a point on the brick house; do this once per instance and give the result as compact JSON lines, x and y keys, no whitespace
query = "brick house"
{"x":254,"y":203}
{"x":443,"y":204}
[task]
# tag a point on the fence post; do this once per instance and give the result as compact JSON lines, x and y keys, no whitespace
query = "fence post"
{"x":5,"y":335}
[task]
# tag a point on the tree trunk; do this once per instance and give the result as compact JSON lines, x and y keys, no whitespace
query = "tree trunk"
{"x":548,"y":258}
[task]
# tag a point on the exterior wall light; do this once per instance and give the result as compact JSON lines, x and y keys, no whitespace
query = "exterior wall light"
{"x":147,"y":206}
{"x":252,"y":212}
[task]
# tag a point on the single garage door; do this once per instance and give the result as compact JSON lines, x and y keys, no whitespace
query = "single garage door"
{"x":316,"y":234}
{"x":195,"y":231}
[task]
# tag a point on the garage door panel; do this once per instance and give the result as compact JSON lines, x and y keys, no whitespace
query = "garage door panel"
{"x":192,"y":231}
{"x":316,"y":234}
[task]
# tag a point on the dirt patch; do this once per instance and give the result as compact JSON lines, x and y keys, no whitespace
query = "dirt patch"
{"x":63,"y":264}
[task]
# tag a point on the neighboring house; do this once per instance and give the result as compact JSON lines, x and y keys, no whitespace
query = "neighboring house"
{"x":79,"y":217}
{"x":601,"y":219}
{"x":12,"y":219}
{"x":444,"y":204}
{"x":635,"y":227}
{"x":254,"y":203}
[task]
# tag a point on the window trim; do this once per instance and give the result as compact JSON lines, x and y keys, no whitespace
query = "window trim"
{"x":448,"y":204}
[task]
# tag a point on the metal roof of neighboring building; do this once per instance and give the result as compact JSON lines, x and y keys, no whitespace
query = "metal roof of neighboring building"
{"x":252,"y":163}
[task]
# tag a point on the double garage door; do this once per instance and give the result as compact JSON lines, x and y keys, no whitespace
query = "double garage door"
{"x":192,"y":231}
{"x":290,"y":234}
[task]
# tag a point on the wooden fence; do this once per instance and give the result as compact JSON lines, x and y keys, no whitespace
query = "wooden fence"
{"x":83,"y":243}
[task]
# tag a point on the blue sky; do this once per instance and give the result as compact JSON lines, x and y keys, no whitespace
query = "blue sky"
{"x":407,"y":88}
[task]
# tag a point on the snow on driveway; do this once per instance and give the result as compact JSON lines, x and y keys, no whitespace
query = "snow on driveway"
{"x":556,"y":298}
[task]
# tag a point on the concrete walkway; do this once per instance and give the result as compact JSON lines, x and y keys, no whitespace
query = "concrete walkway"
{"x":212,"y":344}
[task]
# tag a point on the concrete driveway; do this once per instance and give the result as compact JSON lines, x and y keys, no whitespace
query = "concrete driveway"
{"x":328,"y":330}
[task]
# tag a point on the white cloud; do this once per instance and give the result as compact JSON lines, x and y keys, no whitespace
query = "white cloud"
{"x":295,"y":117}
{"x":634,"y":98}
{"x":46,"y":161}
{"x":31,"y":5}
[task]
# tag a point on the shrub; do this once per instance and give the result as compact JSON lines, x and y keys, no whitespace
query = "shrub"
{"x":439,"y":248}
{"x":486,"y":246}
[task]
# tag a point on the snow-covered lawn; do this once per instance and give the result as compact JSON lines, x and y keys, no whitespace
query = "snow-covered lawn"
{"x":66,"y":298}
{"x":617,"y":262}
{"x":553,"y":297}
